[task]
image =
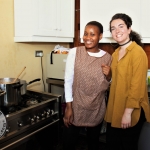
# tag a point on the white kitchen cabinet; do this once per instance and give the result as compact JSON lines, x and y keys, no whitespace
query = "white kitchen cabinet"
{"x":145,"y":20}
{"x":103,"y":10}
{"x":44,"y":20}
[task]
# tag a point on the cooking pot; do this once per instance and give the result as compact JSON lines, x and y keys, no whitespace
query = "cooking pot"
{"x":10,"y":92}
{"x":25,"y":84}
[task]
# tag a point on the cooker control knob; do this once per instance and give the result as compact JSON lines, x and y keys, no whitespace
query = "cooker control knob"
{"x":52,"y":112}
{"x":48,"y":113}
{"x":20,"y":124}
{"x":8,"y":130}
{"x":43,"y":114}
{"x":37,"y":118}
{"x":34,"y":117}
{"x":31,"y":119}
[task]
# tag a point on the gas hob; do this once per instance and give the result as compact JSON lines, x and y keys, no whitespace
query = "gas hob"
{"x":36,"y":111}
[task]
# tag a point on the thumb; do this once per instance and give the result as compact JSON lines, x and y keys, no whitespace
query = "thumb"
{"x":103,"y":65}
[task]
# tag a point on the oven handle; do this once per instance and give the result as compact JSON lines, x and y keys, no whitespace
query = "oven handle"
{"x":29,"y":135}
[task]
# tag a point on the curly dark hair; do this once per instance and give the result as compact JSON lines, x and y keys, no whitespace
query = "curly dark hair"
{"x":95,"y":23}
{"x":134,"y":36}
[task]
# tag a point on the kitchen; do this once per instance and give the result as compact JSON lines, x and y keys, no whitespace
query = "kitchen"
{"x":16,"y":55}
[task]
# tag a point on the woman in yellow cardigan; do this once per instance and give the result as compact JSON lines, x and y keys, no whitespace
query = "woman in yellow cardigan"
{"x":128,"y":106}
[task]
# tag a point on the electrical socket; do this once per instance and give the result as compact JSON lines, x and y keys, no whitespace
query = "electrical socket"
{"x":38,"y":53}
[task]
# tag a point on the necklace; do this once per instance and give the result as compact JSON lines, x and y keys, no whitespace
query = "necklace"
{"x":125,"y":43}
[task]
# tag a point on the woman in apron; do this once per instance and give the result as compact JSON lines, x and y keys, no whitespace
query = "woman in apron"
{"x":86,"y":81}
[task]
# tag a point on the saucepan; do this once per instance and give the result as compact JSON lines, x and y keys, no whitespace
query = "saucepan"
{"x":9,"y":92}
{"x":25,"y":84}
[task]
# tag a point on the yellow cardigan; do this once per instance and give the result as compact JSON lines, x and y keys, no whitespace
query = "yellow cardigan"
{"x":128,"y":88}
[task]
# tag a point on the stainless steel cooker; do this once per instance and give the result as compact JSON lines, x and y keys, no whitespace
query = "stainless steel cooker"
{"x":27,"y":122}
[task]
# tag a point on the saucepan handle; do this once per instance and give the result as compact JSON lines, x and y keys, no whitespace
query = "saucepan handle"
{"x":2,"y":93}
{"x":17,"y":86}
{"x":38,"y":79}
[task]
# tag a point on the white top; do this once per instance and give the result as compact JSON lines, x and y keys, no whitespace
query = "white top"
{"x":69,"y":71}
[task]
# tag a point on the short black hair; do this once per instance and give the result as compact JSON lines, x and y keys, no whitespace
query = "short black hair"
{"x":98,"y":24}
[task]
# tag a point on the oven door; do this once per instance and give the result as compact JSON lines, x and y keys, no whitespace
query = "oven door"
{"x":42,"y":136}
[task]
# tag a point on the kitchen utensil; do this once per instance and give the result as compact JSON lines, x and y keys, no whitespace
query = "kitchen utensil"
{"x":19,"y":74}
{"x":25,"y":84}
{"x":2,"y":92}
{"x":11,"y":92}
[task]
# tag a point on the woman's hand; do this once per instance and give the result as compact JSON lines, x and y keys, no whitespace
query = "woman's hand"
{"x":68,"y":117}
{"x":106,"y":71}
{"x":126,"y":118}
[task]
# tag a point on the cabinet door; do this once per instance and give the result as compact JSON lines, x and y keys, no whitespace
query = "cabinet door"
{"x":145,"y":20}
{"x":45,"y":17}
{"x":54,"y":18}
{"x":23,"y":18}
{"x":65,"y":18}
{"x":103,"y":10}
{"x":44,"y":20}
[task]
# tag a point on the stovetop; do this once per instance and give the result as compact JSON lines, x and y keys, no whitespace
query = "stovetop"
{"x":28,"y":101}
{"x":35,"y":112}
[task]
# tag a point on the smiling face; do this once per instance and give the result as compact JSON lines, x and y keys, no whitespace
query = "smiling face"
{"x":91,"y":37}
{"x":119,"y":31}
